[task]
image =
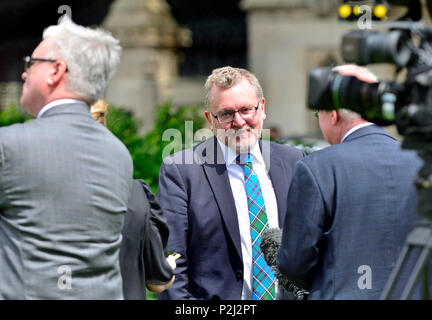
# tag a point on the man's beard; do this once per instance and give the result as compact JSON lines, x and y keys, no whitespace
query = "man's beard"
{"x":241,"y":140}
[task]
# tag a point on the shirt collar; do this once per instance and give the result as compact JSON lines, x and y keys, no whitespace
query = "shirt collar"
{"x":355,"y":128}
{"x":230,"y":156}
{"x":56,"y":103}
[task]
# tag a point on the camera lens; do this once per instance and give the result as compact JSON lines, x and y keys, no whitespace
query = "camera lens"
{"x":389,"y":47}
{"x":365,"y":47}
{"x":329,"y":90}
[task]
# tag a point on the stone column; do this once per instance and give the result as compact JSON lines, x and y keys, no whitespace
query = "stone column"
{"x":149,"y":37}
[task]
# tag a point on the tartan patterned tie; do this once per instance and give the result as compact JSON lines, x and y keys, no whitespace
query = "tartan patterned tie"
{"x":263,"y":279}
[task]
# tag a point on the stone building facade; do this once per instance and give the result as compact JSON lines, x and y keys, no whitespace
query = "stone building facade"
{"x":150,"y":39}
{"x":286,"y":38}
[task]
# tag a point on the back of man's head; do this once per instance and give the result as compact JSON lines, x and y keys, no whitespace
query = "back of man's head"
{"x":92,"y":57}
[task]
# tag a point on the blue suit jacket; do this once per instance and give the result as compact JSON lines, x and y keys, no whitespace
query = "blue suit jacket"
{"x":350,"y":208}
{"x":201,"y":213}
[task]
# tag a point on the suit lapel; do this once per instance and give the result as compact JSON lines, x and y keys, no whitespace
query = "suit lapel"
{"x":217,"y":175}
{"x":277,"y":176}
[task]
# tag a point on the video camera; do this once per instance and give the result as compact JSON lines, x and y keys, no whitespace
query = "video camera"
{"x":408,"y":104}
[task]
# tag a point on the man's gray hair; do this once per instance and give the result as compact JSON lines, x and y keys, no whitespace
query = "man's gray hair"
{"x":226,"y":77}
{"x":361,"y":73}
{"x":92,"y":57}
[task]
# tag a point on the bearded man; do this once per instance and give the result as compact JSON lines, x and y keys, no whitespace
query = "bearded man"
{"x":220,"y":195}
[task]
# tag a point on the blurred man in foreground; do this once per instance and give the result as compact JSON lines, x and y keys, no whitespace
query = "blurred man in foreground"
{"x":65,"y":180}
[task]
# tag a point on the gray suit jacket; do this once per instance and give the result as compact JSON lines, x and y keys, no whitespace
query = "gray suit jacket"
{"x":195,"y":194}
{"x":350,"y":208}
{"x":65,"y":182}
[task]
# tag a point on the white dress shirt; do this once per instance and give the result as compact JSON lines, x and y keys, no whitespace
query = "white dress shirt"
{"x":355,"y":128}
{"x":56,"y":103}
{"x":236,"y":178}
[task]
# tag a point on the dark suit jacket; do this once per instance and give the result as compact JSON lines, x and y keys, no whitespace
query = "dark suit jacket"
{"x":350,"y":208}
{"x":142,"y":251}
{"x":202,"y":217}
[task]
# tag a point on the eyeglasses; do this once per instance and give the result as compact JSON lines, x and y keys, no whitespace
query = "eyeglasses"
{"x":29,"y":61}
{"x":227,"y":116}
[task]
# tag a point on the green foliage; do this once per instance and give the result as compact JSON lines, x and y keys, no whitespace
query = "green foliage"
{"x":147,"y":151}
{"x":151,"y":295}
{"x":298,"y":143}
{"x":307,"y":148}
{"x":12,"y":115}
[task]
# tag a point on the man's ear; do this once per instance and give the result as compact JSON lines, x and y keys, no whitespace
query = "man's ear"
{"x":262,"y":104}
{"x":57,"y":72}
{"x":335,"y":117}
{"x":208,"y":117}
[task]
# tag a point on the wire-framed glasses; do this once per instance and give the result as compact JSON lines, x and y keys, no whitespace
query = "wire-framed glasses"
{"x":29,"y":61}
{"x":227,"y":116}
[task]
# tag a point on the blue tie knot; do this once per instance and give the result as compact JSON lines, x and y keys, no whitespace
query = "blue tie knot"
{"x":244,"y":159}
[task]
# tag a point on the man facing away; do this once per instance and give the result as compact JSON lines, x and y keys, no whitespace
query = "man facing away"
{"x":218,"y":204}
{"x":65,"y":180}
{"x":350,"y":208}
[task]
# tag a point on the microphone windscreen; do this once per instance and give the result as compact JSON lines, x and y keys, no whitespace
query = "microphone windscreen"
{"x":270,"y":243}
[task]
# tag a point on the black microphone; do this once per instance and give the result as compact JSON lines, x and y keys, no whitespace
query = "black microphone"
{"x":270,"y":243}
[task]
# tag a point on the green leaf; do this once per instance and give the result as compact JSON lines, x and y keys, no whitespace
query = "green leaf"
{"x":12,"y":115}
{"x":147,"y":150}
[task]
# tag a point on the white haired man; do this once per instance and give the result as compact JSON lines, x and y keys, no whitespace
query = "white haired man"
{"x":65,"y":180}
{"x":350,"y":208}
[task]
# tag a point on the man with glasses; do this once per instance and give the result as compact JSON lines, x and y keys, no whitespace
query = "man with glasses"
{"x":218,"y":205}
{"x":65,"y":180}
